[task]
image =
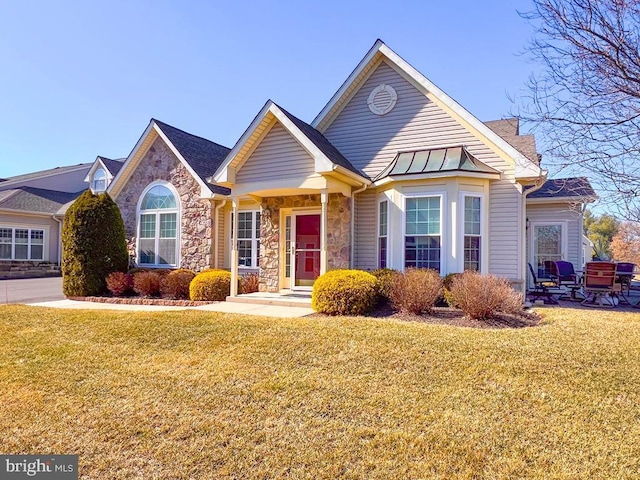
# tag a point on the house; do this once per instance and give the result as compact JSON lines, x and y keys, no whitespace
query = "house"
{"x":391,"y":173}
{"x":32,"y":207}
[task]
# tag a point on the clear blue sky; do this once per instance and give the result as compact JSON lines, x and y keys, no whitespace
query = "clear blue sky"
{"x":82,"y":78}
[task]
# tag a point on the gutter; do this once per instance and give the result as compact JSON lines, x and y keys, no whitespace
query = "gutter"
{"x":523,"y":252}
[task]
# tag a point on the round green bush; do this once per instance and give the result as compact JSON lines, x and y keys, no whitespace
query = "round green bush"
{"x":93,"y":245}
{"x":344,"y":292}
{"x":210,"y":286}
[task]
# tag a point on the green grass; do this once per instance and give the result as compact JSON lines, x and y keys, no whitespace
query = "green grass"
{"x":201,"y":395}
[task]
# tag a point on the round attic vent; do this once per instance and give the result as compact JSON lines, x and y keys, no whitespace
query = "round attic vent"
{"x":382,"y":99}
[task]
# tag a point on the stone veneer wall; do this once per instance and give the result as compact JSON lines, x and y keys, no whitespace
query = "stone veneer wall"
{"x":338,"y":234}
{"x":159,"y":163}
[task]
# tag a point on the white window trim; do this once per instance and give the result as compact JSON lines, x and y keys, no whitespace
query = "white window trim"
{"x":178,"y":212}
{"x":93,"y":181}
{"x":255,"y":248}
{"x":443,"y":225}
{"x":29,"y":227}
{"x":483,"y":230}
{"x":381,"y":200}
{"x":564,"y":233}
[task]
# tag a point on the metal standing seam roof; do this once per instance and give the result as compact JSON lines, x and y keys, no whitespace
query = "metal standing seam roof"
{"x":450,"y":159}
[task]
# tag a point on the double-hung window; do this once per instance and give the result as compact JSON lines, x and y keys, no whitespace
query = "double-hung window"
{"x":158,"y":227}
{"x":383,"y":224}
{"x":21,"y":243}
{"x":423,"y":232}
{"x":248,"y":238}
{"x":472,"y":232}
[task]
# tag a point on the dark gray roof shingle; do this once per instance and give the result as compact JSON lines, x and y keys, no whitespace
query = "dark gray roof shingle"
{"x":203,"y":155}
{"x":32,"y":199}
{"x":113,"y":166}
{"x":565,"y":187}
{"x":320,"y":141}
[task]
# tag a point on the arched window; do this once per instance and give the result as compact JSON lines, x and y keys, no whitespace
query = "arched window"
{"x":99,"y":183}
{"x":158,"y":227}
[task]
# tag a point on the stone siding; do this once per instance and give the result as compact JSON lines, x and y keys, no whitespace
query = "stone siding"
{"x":196,"y":237}
{"x":338,"y":234}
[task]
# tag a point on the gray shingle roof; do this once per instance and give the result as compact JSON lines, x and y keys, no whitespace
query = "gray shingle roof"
{"x":509,"y":130}
{"x":435,"y":161}
{"x":52,"y":172}
{"x":578,"y":187}
{"x":320,"y":141}
{"x":113,"y":166}
{"x":32,"y":199}
{"x":203,"y":155}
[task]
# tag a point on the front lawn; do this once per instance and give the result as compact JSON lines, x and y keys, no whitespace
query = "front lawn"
{"x":202,"y":395}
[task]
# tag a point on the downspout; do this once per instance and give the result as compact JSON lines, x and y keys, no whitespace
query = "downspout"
{"x":537,"y":186}
{"x":59,"y":239}
{"x":353,"y":223}
{"x":216,"y":238}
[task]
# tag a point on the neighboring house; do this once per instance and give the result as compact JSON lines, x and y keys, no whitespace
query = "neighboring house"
{"x":32,"y":208}
{"x":392,"y":173}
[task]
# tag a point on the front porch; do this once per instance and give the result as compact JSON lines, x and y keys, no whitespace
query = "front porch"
{"x":301,"y":237}
{"x":284,"y":298}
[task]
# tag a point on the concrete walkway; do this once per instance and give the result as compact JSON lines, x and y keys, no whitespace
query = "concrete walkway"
{"x":276,"y":311}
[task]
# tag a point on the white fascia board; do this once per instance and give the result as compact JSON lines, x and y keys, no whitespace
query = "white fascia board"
{"x":543,"y":200}
{"x":422,"y":176}
{"x":322,"y":163}
{"x":98,"y":163}
{"x":123,"y":173}
{"x":352,"y":175}
{"x":222,"y":175}
{"x":347,"y":83}
{"x":11,"y":211}
{"x":205,"y":191}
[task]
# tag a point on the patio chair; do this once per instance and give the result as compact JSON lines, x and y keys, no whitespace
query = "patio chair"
{"x":599,"y":284}
{"x":566,"y":276}
{"x":624,"y":275}
{"x":543,"y":288}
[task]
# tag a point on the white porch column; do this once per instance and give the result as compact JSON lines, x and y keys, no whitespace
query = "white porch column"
{"x":234,"y":248}
{"x":324,"y":198}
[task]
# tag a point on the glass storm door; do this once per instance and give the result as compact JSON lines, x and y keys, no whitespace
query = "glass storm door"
{"x":304,"y":251}
{"x":547,"y":247}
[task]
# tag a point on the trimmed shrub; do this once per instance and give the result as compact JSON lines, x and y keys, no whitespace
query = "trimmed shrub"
{"x":385,"y":277}
{"x":93,"y":245}
{"x":416,"y":290}
{"x":119,"y":283}
{"x":249,"y":283}
{"x":175,"y":284}
{"x":446,"y":289}
{"x":344,"y":292}
{"x":210,"y":286}
{"x":147,"y":284}
{"x":482,"y":296}
{"x":135,"y":270}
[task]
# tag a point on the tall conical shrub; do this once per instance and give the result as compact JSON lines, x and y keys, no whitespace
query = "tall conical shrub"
{"x":93,"y":244}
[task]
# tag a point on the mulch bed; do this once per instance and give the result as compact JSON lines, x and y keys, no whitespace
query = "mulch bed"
{"x":455,"y":317}
{"x":141,"y":301}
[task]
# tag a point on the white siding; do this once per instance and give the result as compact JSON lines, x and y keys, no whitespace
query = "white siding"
{"x":278,"y":156}
{"x":559,"y":212}
{"x":365,"y":227}
{"x":50,"y":226}
{"x":371,"y":141}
